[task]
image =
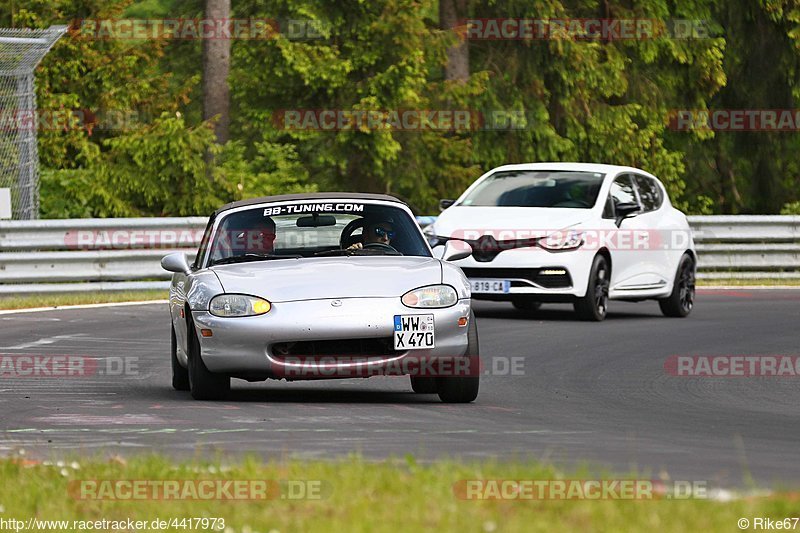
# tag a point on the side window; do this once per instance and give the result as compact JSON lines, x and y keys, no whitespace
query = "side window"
{"x":608,"y":209}
{"x":649,"y":192}
{"x":622,"y":191}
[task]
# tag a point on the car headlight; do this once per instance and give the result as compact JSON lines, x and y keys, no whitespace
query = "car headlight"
{"x":228,"y":305}
{"x":431,"y":296}
{"x":561,"y":242}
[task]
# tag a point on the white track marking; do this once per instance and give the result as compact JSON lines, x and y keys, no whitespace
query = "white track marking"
{"x":42,"y":342}
{"x":82,"y":306}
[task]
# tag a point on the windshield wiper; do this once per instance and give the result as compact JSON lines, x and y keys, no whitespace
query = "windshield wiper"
{"x":335,"y":251}
{"x":356,"y":251}
{"x":252,"y":257}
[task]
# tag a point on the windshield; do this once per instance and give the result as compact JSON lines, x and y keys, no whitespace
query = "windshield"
{"x":309,"y":229}
{"x":537,"y":188}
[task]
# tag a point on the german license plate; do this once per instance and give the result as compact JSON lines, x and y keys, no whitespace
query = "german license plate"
{"x":413,"y":332}
{"x":492,"y":286}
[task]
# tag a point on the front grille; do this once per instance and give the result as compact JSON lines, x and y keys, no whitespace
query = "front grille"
{"x":548,"y":281}
{"x":336,"y":348}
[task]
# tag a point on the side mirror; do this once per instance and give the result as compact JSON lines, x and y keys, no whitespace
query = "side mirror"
{"x":625,"y":210}
{"x":176,"y":262}
{"x":455,"y":250}
{"x":444,"y":204}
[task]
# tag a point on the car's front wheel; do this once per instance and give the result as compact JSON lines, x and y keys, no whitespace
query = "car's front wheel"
{"x":593,"y":306}
{"x":204,"y":384}
{"x":458,"y":389}
{"x":681,"y":301}
{"x":180,"y":376}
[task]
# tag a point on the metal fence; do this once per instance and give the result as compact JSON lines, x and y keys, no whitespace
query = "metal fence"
{"x":747,"y":247}
{"x":21,"y":50}
{"x":123,"y":254}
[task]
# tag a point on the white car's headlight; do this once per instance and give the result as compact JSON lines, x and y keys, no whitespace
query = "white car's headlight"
{"x":431,"y":296}
{"x":228,"y":305}
{"x":561,"y":241}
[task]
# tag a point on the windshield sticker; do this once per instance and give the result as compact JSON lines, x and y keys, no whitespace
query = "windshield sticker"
{"x":313,"y":208}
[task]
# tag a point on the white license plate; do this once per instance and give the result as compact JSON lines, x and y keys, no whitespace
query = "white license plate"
{"x":413,"y":332}
{"x":490,"y":285}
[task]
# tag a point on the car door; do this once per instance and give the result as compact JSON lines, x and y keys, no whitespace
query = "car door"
{"x":623,"y":263}
{"x":655,"y":259}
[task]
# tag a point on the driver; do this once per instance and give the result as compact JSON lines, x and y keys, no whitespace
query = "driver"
{"x":381,"y":232}
{"x":253,"y":235}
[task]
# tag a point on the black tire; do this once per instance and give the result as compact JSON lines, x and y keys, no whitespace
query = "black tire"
{"x":204,"y":384}
{"x":526,"y":305}
{"x":681,"y":302}
{"x":422,"y":385}
{"x":593,"y":306}
{"x":463,"y":389}
{"x":180,"y":376}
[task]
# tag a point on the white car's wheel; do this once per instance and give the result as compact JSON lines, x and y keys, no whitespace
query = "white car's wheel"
{"x":593,"y":306}
{"x":680,"y":303}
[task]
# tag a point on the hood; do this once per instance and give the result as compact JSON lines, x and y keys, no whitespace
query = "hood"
{"x":285,"y":280}
{"x":506,"y":223}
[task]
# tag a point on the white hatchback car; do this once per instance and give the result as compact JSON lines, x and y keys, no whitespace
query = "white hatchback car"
{"x":572,"y":232}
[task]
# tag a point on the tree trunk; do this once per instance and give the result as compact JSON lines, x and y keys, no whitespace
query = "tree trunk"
{"x":450,"y":13}
{"x":216,"y":65}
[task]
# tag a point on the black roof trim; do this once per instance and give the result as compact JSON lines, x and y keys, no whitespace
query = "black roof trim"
{"x":309,"y":196}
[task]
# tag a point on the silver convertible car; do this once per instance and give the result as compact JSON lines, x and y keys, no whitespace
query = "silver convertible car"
{"x":321,"y":286}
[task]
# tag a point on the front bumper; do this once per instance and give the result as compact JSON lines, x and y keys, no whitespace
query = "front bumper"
{"x":244,"y":346}
{"x":530,"y":271}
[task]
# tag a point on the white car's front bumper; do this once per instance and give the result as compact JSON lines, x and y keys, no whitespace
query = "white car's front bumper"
{"x":555,"y":276}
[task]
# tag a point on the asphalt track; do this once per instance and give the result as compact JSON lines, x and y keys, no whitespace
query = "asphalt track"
{"x":594,"y":393}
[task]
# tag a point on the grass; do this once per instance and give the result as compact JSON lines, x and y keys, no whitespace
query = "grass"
{"x":56,"y":300}
{"x":356,"y":495}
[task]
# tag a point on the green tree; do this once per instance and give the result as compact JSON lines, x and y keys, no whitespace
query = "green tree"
{"x":573,"y":99}
{"x":595,"y":100}
{"x":752,"y":172}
